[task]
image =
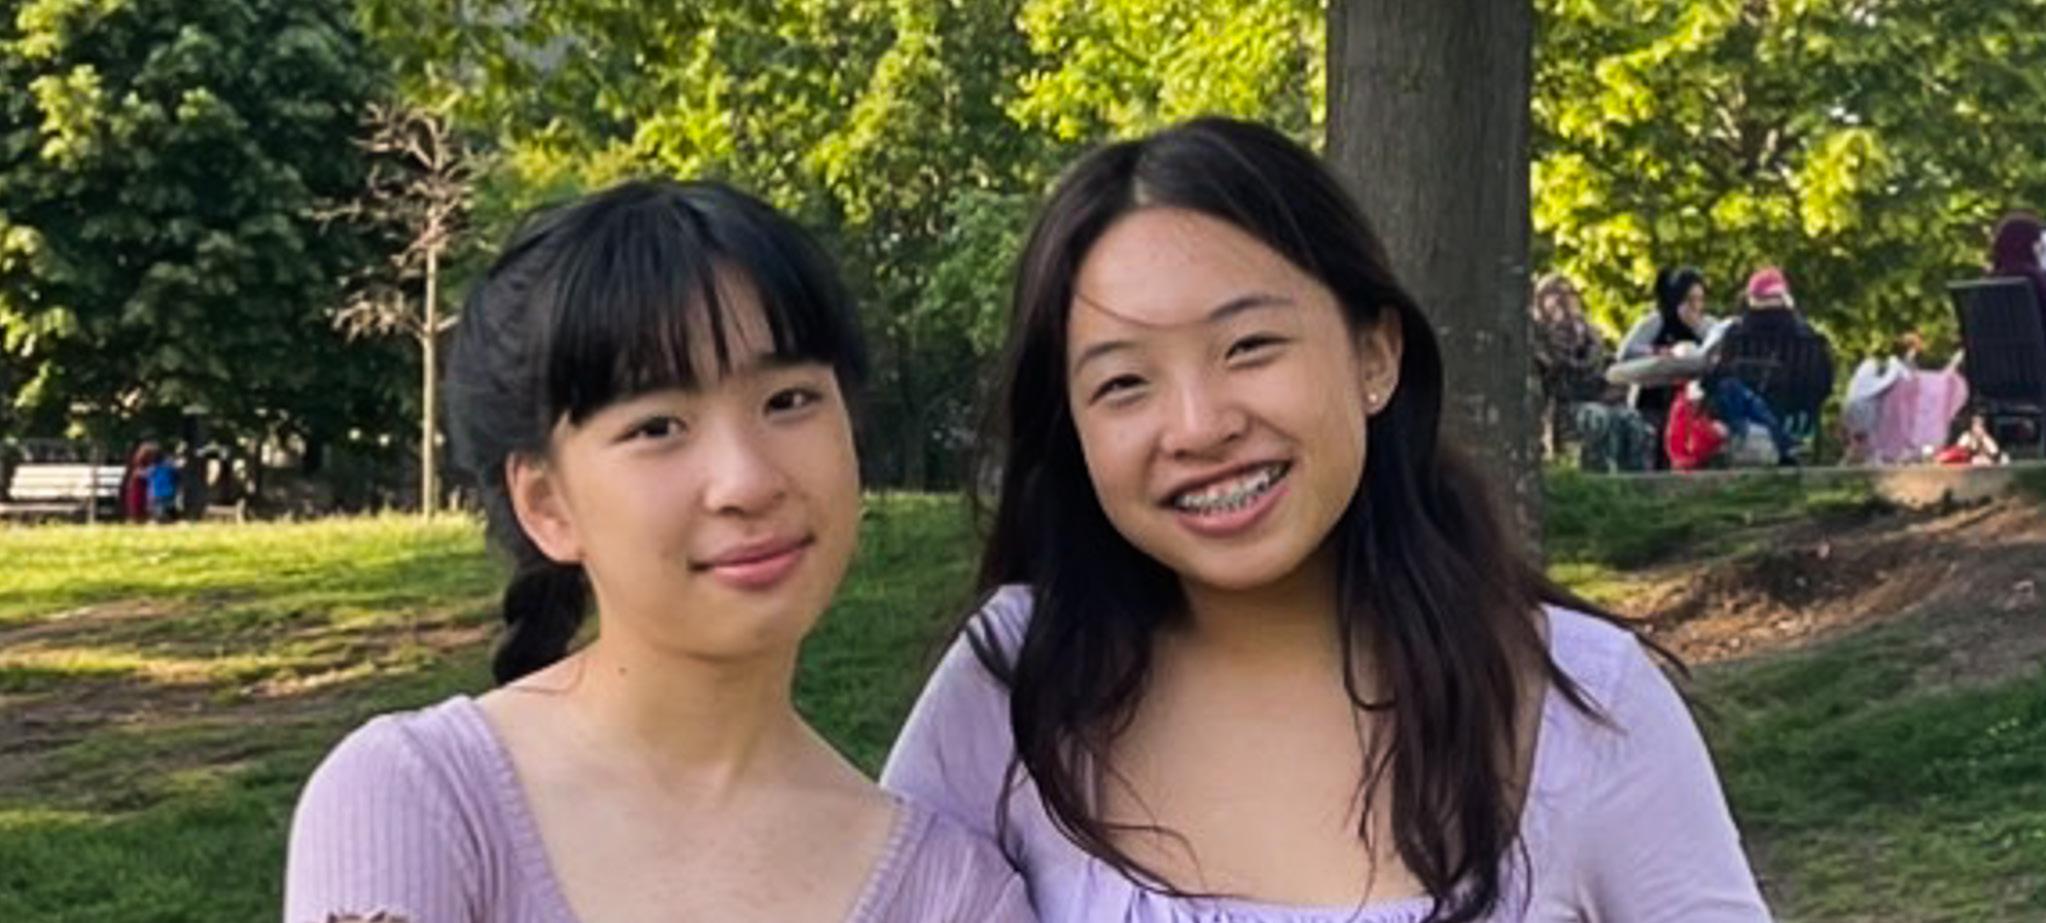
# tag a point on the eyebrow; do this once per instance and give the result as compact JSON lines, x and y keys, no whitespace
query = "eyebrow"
{"x":1226,"y":310}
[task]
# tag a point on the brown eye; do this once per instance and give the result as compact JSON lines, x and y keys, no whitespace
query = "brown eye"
{"x":792,"y":399}
{"x":666,"y":427}
{"x":1254,"y":345}
{"x":1117,"y":385}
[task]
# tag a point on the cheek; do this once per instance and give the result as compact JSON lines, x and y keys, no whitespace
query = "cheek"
{"x":824,"y":461}
{"x":1327,"y":405}
{"x":630,"y":520}
{"x":653,"y":504}
{"x":1112,"y":447}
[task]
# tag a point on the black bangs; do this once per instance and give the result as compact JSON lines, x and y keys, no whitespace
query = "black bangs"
{"x":643,"y":272}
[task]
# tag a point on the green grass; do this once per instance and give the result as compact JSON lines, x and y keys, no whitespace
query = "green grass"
{"x":862,"y":667}
{"x":1876,"y":799}
{"x":257,"y":570}
{"x":1617,"y":524}
{"x":213,"y":666}
{"x":2032,"y":481}
{"x":1863,"y":794}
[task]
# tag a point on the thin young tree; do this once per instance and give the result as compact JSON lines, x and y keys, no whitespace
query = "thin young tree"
{"x":417,"y":200}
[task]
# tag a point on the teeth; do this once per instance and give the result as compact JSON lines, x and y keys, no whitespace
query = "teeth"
{"x":1232,"y":494}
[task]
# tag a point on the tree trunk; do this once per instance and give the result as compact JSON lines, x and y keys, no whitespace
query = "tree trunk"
{"x":429,"y":336}
{"x":1428,"y":123}
{"x":914,"y":436}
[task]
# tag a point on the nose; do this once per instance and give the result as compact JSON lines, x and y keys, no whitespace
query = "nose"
{"x":741,"y":478}
{"x":1203,"y":420}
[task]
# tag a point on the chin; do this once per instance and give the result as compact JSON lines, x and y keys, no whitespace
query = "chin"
{"x":777,"y":633}
{"x":1235,"y":573}
{"x":749,"y":627}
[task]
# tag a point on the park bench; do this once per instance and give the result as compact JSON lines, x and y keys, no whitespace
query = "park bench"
{"x":2001,"y":330}
{"x":62,"y":490}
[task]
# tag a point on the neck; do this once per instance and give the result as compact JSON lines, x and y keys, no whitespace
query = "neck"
{"x":698,"y":725}
{"x":1284,"y":623}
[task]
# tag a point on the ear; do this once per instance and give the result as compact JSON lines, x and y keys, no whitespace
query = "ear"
{"x":1379,"y":347}
{"x":542,"y":509}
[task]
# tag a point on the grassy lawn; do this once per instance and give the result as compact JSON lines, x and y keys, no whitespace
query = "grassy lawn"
{"x":1875,"y":799}
{"x":163,"y":692}
{"x":1863,"y":793}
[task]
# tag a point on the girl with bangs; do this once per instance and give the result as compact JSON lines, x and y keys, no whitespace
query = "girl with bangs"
{"x":650,"y":389}
{"x":1255,"y":644}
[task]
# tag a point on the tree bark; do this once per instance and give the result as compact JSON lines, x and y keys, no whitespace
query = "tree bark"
{"x":1428,"y":124}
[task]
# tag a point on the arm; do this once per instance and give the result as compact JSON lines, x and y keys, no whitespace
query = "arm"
{"x":1640,"y":340}
{"x":1715,"y":331}
{"x":375,"y":833}
{"x":1657,"y":840}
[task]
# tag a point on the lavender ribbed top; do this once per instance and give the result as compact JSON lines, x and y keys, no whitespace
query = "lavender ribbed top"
{"x":420,"y":815}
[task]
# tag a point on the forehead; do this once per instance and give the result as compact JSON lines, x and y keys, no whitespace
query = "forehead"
{"x":1162,"y":268}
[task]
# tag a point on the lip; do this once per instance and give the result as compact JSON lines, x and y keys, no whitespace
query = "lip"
{"x":1196,"y":483}
{"x":1234,"y":522}
{"x":757,"y":565}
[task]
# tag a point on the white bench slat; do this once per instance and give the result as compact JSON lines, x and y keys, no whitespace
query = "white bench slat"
{"x":35,"y":481}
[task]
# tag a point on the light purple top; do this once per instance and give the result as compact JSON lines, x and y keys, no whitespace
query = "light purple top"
{"x":420,"y":814}
{"x":1621,"y":825}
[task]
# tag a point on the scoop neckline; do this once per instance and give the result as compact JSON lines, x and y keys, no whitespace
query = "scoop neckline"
{"x":531,"y":849}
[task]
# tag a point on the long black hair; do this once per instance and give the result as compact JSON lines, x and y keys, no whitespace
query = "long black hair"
{"x":1431,"y":579}
{"x":595,"y":302}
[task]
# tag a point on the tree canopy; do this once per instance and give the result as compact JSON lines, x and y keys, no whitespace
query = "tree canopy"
{"x":162,"y":163}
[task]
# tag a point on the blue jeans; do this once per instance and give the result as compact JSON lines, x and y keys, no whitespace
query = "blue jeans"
{"x":1736,"y":405}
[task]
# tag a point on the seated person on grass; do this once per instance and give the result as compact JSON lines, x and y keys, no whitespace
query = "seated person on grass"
{"x":1709,"y":428}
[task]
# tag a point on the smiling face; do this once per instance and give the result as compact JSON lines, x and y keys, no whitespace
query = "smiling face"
{"x":1220,"y":397}
{"x":715,"y":520}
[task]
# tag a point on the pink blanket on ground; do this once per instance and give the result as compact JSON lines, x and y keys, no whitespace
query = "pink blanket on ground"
{"x":1917,"y":413}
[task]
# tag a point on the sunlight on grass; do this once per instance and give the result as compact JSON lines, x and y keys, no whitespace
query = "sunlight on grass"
{"x":91,"y":662}
{"x":55,"y":568}
{"x":1596,"y":582}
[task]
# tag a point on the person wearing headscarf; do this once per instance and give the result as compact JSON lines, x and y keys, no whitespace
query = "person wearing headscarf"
{"x":2018,"y":250}
{"x":1679,"y":318}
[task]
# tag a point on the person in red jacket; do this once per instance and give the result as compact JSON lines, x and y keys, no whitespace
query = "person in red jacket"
{"x":1692,"y":438}
{"x":135,"y":483}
